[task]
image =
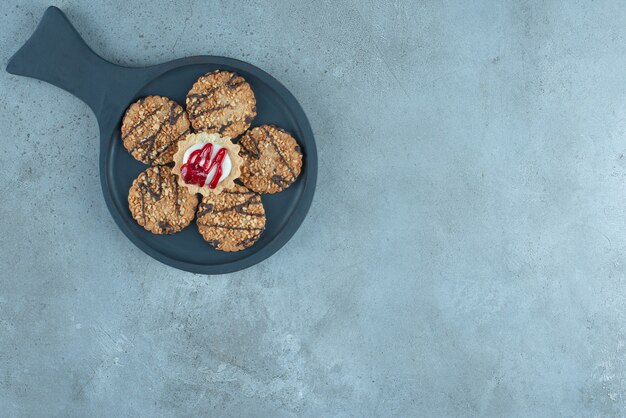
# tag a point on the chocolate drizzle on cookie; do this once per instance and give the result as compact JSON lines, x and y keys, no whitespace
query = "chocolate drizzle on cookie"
{"x":224,"y":127}
{"x":273,"y":159}
{"x":164,"y":149}
{"x":235,"y":81}
{"x":153,"y":133}
{"x":157,"y":203}
{"x":256,"y":153}
{"x":237,"y":192}
{"x":176,"y":198}
{"x":235,"y":218}
{"x":144,"y":188}
{"x":251,"y":240}
{"x":215,"y":92}
{"x":141,"y":121}
{"x":203,"y":209}
{"x":144,"y":185}
{"x":239,"y":208}
{"x":174,"y":115}
{"x":282,"y":157}
{"x":232,"y":78}
{"x":281,"y":182}
{"x":210,"y":110}
{"x":200,"y":96}
{"x":150,"y":140}
{"x":197,"y":98}
{"x":166,"y":228}
{"x":231,"y":227}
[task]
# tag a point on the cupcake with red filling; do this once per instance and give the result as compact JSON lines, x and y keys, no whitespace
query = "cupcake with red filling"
{"x":207,"y":163}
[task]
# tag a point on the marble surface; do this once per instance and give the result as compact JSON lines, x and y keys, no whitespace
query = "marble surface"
{"x":463,"y":256}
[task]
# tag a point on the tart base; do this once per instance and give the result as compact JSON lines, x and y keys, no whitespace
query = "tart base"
{"x":203,"y":138}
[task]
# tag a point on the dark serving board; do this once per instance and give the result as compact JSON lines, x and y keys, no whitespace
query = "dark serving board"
{"x":56,"y":53}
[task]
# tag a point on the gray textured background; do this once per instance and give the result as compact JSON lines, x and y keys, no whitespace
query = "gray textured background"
{"x":464,"y":254}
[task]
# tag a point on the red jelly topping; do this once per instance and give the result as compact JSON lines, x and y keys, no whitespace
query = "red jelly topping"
{"x":195,"y":173}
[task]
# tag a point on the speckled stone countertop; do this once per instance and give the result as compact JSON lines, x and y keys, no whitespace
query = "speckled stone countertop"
{"x":464,"y":254}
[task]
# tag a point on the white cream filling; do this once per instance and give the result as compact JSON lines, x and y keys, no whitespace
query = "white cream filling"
{"x":226,"y":163}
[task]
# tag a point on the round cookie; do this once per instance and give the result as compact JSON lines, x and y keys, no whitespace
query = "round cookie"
{"x":158,"y":203}
{"x":221,"y":102}
{"x":232,"y":220}
{"x":151,"y":128}
{"x":272,"y":159}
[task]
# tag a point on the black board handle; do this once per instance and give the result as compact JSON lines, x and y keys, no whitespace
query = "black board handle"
{"x":57,"y":54}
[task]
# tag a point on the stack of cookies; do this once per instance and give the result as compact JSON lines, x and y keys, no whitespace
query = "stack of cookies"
{"x":216,"y":156}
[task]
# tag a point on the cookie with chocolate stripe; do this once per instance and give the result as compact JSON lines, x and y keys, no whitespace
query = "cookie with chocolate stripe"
{"x":272,"y":159}
{"x":221,"y":102}
{"x":232,"y":220}
{"x":158,"y":203}
{"x":151,"y":128}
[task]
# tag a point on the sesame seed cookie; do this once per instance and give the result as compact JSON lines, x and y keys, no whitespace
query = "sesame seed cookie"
{"x":272,"y":159}
{"x":151,"y":128}
{"x":221,"y":102}
{"x":158,"y":203}
{"x":232,"y":220}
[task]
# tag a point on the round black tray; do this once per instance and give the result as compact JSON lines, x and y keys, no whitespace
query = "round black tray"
{"x":57,"y":54}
